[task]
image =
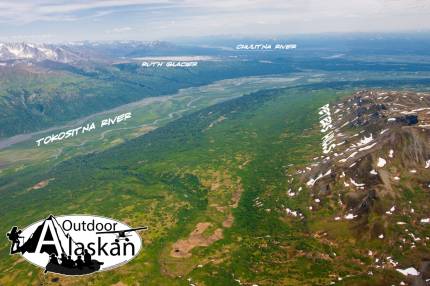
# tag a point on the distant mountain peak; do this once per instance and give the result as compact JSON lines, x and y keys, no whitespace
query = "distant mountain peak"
{"x":37,"y":52}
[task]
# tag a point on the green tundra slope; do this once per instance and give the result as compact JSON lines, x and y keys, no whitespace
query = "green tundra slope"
{"x":192,"y":171}
{"x":213,"y":186}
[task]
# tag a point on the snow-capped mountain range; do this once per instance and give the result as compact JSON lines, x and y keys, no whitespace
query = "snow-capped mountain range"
{"x":73,"y":52}
{"x":37,"y":52}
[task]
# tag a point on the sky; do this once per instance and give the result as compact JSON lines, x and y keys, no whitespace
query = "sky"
{"x":97,"y":20}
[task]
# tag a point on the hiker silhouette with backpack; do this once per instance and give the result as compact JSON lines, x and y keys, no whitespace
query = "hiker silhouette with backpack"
{"x":14,"y":236}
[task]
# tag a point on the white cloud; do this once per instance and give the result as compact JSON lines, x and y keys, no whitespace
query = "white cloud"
{"x":165,"y":18}
{"x":29,"y":37}
{"x":119,"y":30}
{"x":41,"y":10}
{"x":29,"y":11}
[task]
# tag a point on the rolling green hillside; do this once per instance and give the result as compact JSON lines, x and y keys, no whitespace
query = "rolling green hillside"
{"x":222,"y":169}
{"x":213,"y":186}
{"x":193,"y":170}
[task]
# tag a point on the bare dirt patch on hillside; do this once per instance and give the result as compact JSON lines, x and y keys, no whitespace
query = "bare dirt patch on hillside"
{"x":182,"y":248}
{"x":41,"y":184}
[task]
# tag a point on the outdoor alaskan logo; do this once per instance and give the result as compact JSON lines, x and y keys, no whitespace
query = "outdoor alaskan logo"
{"x":76,"y":244}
